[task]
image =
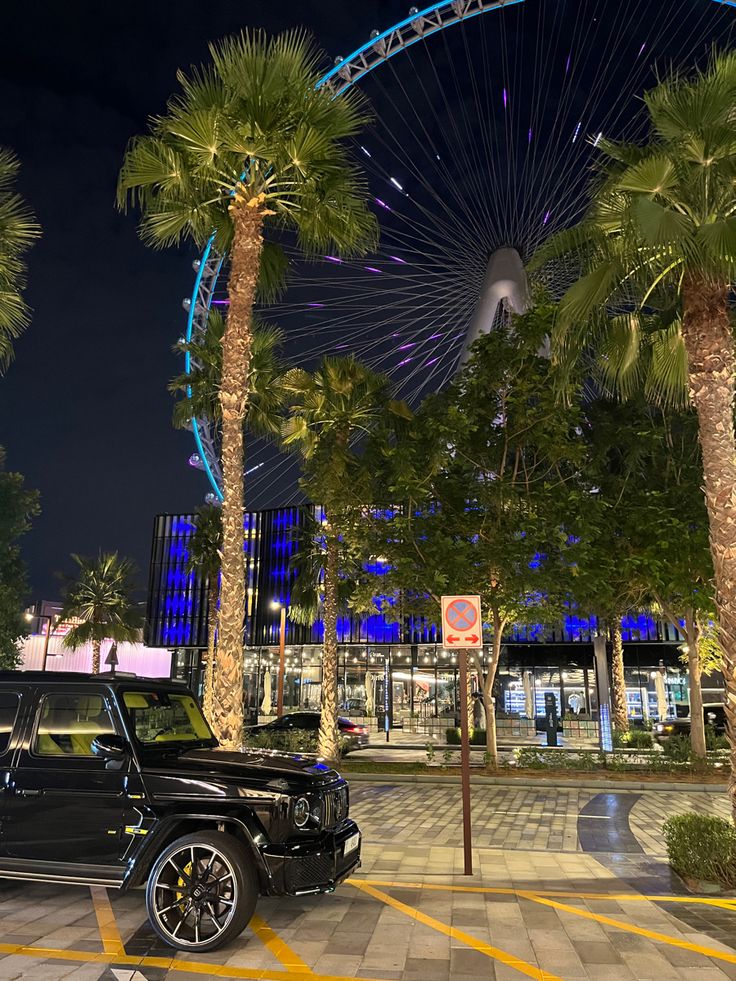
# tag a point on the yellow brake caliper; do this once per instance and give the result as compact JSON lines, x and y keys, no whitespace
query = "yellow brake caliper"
{"x":181,"y":884}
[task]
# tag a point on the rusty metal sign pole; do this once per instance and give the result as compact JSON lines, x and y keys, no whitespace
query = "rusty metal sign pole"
{"x":465,"y":762}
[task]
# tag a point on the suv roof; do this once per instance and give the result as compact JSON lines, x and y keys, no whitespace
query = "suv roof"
{"x":77,"y":677}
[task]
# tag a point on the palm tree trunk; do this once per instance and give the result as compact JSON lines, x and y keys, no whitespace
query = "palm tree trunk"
{"x":96,"y":646}
{"x":245,"y":257}
{"x":327,"y":745}
{"x":209,"y":673}
{"x":618,"y":682}
{"x":708,"y":337}
{"x":697,"y":720}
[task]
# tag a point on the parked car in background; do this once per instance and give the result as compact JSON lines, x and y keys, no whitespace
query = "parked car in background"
{"x":714,"y":714}
{"x":119,"y":782}
{"x":309,"y":722}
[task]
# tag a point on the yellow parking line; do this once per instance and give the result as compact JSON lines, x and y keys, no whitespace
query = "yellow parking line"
{"x":499,"y":891}
{"x":494,"y":952}
{"x":112,"y":942}
{"x":630,"y":928}
{"x":171,"y":964}
{"x":280,"y":950}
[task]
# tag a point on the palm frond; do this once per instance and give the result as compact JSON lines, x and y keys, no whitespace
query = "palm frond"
{"x":18,"y":231}
{"x":100,"y":598}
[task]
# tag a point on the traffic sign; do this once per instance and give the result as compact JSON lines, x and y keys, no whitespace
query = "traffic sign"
{"x":462,"y":626}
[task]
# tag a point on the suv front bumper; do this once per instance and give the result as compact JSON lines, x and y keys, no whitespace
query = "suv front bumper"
{"x":300,"y":867}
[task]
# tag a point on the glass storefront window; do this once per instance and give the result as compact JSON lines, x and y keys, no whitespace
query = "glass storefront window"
{"x":353,"y":684}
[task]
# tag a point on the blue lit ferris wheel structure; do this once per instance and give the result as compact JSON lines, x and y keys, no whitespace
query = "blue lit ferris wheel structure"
{"x":480,"y":149}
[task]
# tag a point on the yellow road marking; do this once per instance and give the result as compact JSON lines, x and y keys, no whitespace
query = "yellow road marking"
{"x":499,"y":891}
{"x":494,"y":952}
{"x":280,"y":950}
{"x":630,"y":928}
{"x":171,"y":964}
{"x":112,"y":942}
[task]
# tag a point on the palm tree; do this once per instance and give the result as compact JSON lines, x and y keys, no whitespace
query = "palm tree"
{"x":18,"y":231}
{"x":201,"y":387}
{"x":658,"y":251}
{"x":99,"y":599}
{"x":249,"y":143}
{"x":342,"y":402}
{"x":205,"y":558}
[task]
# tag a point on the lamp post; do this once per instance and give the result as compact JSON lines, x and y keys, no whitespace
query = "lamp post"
{"x":276,"y":605}
{"x":49,"y":631}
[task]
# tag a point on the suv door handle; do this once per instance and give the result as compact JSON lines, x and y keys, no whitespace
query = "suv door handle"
{"x":29,"y":793}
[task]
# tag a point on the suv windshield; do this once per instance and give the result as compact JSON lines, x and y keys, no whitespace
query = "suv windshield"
{"x":160,"y":717}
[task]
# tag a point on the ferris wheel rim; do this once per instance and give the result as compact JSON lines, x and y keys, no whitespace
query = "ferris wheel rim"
{"x":353,"y":67}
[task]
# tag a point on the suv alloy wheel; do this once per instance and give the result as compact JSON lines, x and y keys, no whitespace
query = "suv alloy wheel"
{"x":202,"y":891}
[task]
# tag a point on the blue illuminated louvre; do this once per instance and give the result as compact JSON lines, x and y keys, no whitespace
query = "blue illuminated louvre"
{"x":178,"y":607}
{"x":605,"y":730}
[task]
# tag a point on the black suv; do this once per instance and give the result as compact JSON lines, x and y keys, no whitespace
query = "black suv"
{"x":118,"y":781}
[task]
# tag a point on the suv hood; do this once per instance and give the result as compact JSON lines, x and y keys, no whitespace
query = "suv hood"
{"x":256,"y":767}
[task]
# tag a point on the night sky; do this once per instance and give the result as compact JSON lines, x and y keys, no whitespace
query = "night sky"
{"x":84,"y":411}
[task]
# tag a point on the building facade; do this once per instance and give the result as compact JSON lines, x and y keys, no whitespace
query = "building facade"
{"x":400,"y":667}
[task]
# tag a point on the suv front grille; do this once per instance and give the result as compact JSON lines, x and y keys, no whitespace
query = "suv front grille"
{"x":335,"y":807}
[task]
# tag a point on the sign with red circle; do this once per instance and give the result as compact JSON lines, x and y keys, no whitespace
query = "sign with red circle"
{"x":461,"y":622}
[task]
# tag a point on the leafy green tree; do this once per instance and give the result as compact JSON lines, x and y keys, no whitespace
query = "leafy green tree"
{"x":334,"y":414}
{"x":248,"y":145}
{"x":649,"y":533}
{"x":100,"y":599}
{"x":667,"y":508}
{"x":18,"y":231}
{"x":205,"y":557}
{"x":18,"y":506}
{"x":490,"y":502}
{"x":658,"y":250}
{"x":612,"y":581}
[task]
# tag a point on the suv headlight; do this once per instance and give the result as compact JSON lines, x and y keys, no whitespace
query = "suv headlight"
{"x":307,"y":812}
{"x":301,"y":812}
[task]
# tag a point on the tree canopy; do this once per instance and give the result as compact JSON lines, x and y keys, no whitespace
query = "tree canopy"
{"x":18,"y":506}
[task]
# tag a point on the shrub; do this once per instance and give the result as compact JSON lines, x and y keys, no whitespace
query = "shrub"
{"x":632,"y":739}
{"x":540,"y":759}
{"x":702,"y":847}
{"x":296,"y":741}
{"x":713,"y":741}
{"x":477,"y":737}
{"x":640,"y":739}
{"x":677,"y":748}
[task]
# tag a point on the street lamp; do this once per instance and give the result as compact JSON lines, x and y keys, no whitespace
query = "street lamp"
{"x":49,"y":630}
{"x":276,"y":605}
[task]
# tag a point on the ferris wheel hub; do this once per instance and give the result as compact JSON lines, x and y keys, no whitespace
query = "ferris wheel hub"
{"x":505,"y":284}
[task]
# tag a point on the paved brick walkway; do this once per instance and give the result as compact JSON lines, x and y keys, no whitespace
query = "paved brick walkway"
{"x":510,"y":817}
{"x":539,"y":905}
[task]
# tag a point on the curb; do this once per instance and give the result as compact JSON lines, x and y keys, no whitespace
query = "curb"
{"x":502,"y":747}
{"x":485,"y":781}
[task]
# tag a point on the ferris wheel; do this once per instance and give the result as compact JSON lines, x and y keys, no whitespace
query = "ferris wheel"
{"x":487,"y":114}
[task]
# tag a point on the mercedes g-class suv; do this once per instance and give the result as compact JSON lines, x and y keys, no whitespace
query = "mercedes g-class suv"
{"x":119,"y":782}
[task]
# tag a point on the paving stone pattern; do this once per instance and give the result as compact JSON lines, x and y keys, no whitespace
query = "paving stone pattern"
{"x":533,"y":819}
{"x":526,"y":841}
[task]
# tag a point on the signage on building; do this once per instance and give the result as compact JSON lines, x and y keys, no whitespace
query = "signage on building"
{"x":462,"y":626}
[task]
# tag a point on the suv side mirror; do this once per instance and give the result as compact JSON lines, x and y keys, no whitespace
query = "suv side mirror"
{"x":109,"y":746}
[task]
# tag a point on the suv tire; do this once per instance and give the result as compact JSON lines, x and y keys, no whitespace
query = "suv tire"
{"x":202,"y":891}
